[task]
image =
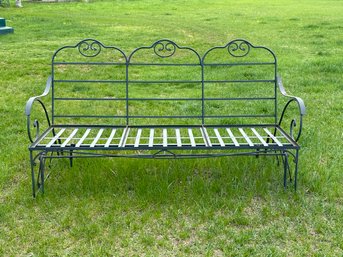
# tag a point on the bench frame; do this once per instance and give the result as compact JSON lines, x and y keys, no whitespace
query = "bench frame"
{"x":164,"y":48}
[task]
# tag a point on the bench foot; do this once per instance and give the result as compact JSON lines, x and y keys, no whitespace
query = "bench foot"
{"x":37,"y":185}
{"x":296,"y":170}
{"x":287,"y":167}
{"x":71,"y":156}
{"x":32,"y":163}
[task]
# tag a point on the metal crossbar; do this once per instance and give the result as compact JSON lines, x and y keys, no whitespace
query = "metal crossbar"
{"x":273,"y":137}
{"x":55,"y":138}
{"x":110,"y":138}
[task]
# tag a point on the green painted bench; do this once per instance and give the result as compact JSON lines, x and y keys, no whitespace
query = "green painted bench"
{"x":163,"y":101}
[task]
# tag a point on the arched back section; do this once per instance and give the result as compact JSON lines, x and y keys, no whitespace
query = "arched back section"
{"x":164,"y":85}
{"x":89,"y":84}
{"x":239,"y":84}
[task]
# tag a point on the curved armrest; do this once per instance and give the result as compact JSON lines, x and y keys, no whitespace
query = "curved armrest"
{"x":28,"y":109}
{"x":301,"y":107}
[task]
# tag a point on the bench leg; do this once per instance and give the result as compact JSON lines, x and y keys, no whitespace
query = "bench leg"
{"x":277,"y":159}
{"x":39,"y":183}
{"x":258,"y":153}
{"x":40,"y":179}
{"x":285,"y":168}
{"x":71,"y":156}
{"x":33,"y":175}
{"x":296,"y":169}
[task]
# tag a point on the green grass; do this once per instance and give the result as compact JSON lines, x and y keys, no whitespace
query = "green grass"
{"x":213,"y":207}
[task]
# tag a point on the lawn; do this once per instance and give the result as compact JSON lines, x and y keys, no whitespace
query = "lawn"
{"x":210,"y":207}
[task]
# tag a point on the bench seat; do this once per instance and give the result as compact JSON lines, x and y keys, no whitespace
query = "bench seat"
{"x":171,"y":137}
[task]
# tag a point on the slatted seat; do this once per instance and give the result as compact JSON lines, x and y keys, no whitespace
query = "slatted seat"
{"x":163,"y":101}
{"x":122,"y":138}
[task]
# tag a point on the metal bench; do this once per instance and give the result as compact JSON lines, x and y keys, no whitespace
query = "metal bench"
{"x":163,"y":101}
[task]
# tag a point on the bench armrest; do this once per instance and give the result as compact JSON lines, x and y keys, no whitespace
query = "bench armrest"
{"x":28,"y":109}
{"x":301,"y":108}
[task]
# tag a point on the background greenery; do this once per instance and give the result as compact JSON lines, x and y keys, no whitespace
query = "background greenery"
{"x":214,"y":207}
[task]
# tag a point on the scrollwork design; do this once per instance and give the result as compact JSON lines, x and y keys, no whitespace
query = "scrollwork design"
{"x":164,"y":48}
{"x":89,"y":48}
{"x":293,"y":123}
{"x":35,"y":123}
{"x":238,"y":48}
{"x":291,"y":126}
{"x":301,"y":108}
{"x":29,"y":106}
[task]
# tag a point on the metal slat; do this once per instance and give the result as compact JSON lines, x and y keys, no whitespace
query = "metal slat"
{"x":246,"y":137}
{"x":165,"y":137}
{"x":83,"y":137}
{"x":151,"y":138}
{"x":96,"y":139}
{"x":240,"y":64}
{"x":90,"y":116}
{"x":138,"y":137}
{"x":52,"y":141}
{"x":259,"y":137}
{"x":236,"y":98}
{"x":109,"y":140}
{"x":205,"y":137}
{"x":70,"y":137}
{"x":286,"y":136}
{"x":238,"y":116}
{"x":241,"y":81}
{"x":89,"y":63}
{"x":234,"y":140}
{"x":273,"y":137}
{"x":178,"y":137}
{"x":160,"y":116}
{"x":87,"y":81}
{"x":88,"y":99}
{"x":162,"y":64}
{"x":124,"y":137}
{"x":221,"y":142}
{"x":42,"y":137}
{"x":162,"y":81}
{"x":191,"y":137}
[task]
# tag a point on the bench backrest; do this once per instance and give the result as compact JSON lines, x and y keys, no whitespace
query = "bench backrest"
{"x":164,"y":84}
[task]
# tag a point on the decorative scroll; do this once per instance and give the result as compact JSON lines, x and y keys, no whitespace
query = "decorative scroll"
{"x":293,"y":123}
{"x":238,"y":48}
{"x":301,"y":108}
{"x":36,"y":122}
{"x":164,"y":48}
{"x":89,"y":48}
